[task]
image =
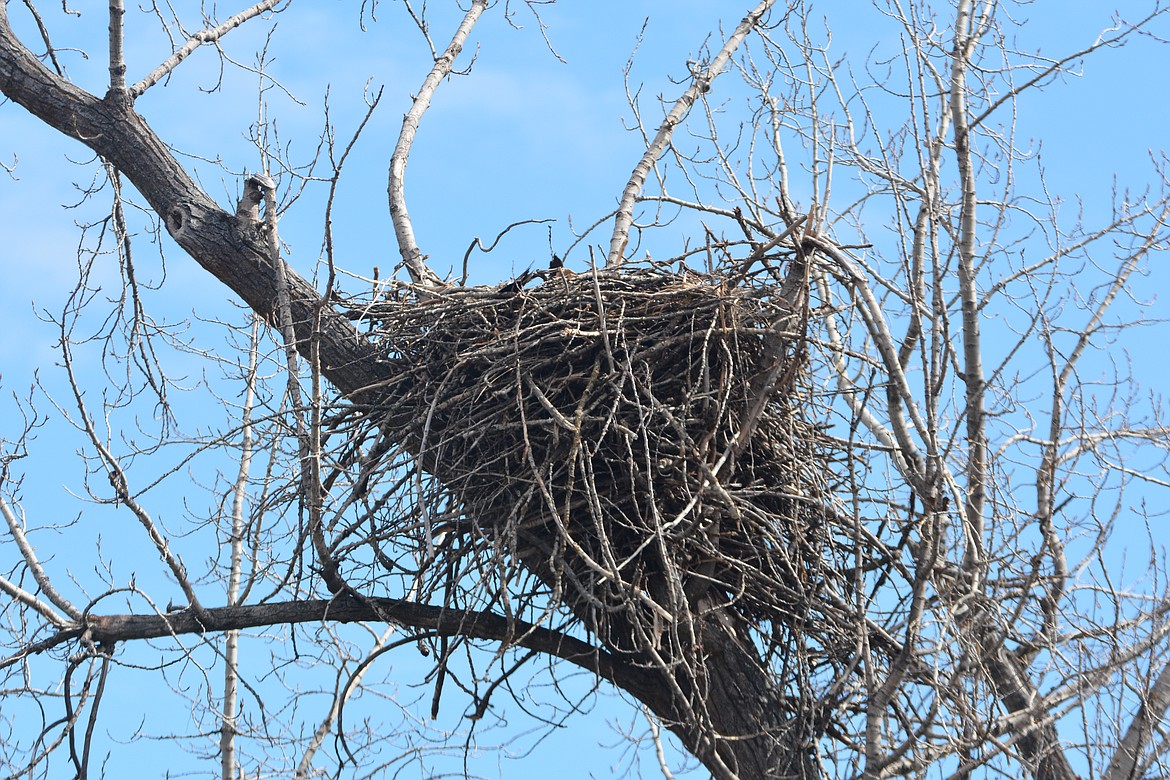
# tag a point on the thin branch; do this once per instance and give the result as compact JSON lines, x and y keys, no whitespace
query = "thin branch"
{"x":117,"y":57}
{"x":412,"y":256}
{"x":308,"y":452}
{"x":206,"y":35}
{"x":16,"y":531}
{"x":228,"y":713}
{"x":1147,"y":722}
{"x":120,"y":482}
{"x":49,"y":49}
{"x":1058,"y":66}
{"x":478,"y":242}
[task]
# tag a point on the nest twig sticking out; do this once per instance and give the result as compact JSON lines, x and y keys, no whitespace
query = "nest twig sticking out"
{"x":637,"y":440}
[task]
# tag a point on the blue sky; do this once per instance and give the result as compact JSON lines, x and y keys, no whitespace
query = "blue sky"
{"x":525,"y":136}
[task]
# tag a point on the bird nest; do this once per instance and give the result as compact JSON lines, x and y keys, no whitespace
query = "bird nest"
{"x":639,"y":447}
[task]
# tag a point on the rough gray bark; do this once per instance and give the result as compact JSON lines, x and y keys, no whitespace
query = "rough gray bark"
{"x":209,"y":234}
{"x":1038,"y":744}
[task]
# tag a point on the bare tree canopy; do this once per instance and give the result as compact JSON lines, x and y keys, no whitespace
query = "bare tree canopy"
{"x":813,"y":451}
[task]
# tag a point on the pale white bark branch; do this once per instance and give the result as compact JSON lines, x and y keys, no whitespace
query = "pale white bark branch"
{"x":29,"y":600}
{"x":344,"y":693}
{"x":117,"y":58}
{"x":855,"y":397}
{"x":873,"y":315}
{"x":231,"y":681}
{"x":701,"y":84}
{"x":206,"y":35}
{"x":16,"y":531}
{"x":965,"y":40}
{"x":412,"y":256}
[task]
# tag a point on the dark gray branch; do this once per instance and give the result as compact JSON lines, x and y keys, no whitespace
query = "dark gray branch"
{"x":210,"y":235}
{"x":111,"y":629}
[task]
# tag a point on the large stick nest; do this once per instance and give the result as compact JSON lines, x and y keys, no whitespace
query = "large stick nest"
{"x":640,"y":444}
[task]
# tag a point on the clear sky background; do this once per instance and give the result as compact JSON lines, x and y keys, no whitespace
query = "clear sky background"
{"x":525,"y":136}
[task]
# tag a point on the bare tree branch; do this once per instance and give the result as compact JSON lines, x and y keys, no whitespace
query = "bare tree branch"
{"x":16,"y":531}
{"x":111,"y":629}
{"x":700,"y":84}
{"x":1127,"y":761}
{"x":206,"y":35}
{"x":117,"y":57}
{"x":783,"y":502}
{"x":412,"y":256}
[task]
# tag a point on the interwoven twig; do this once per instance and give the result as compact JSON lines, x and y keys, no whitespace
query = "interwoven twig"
{"x":639,"y":440}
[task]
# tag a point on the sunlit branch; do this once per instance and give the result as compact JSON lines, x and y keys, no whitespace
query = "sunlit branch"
{"x":28,"y":599}
{"x":231,"y":653}
{"x":206,"y":35}
{"x":344,"y":690}
{"x":700,"y":84}
{"x":1147,"y":724}
{"x":117,"y":57}
{"x":966,"y":24}
{"x":16,"y":531}
{"x":412,"y":256}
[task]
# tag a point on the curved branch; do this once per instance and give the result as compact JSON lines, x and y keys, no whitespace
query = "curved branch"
{"x":206,"y":35}
{"x":109,"y":629}
{"x":219,"y":242}
{"x":16,"y":531}
{"x":412,"y":256}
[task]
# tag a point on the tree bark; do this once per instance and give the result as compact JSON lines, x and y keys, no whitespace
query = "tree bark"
{"x":1038,"y":743}
{"x":111,"y":629}
{"x":209,"y":234}
{"x":1126,"y":763}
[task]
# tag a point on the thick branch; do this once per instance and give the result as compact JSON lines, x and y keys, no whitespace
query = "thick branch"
{"x":213,"y":237}
{"x":1147,"y":723}
{"x":1038,"y":743}
{"x":110,"y":629}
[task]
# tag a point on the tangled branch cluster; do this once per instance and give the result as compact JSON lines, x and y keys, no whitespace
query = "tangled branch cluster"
{"x":638,"y":446}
